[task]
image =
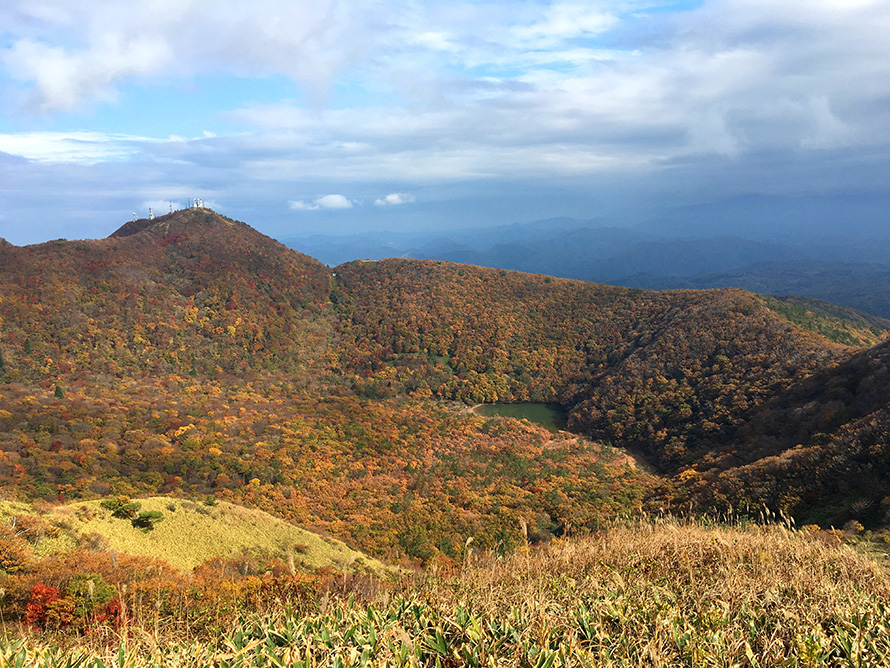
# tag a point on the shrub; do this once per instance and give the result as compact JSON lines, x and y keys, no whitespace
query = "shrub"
{"x":92,"y":541}
{"x":33,"y":528}
{"x":146,"y":520}
{"x":15,"y":553}
{"x":89,"y":591}
{"x":47,"y":609}
{"x":122,"y":507}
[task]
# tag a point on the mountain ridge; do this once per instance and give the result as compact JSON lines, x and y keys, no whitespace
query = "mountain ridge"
{"x":844,"y":269}
{"x":253,"y":373}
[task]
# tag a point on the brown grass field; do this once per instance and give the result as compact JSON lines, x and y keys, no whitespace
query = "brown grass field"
{"x":654,"y":594}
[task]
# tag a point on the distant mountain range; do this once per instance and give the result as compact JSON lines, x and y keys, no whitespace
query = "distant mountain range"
{"x":863,"y":286}
{"x":852,"y":269}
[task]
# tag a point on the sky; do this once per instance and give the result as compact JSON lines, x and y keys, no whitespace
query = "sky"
{"x":338,"y":116}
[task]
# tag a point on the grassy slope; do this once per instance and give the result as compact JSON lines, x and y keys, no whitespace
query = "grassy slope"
{"x":840,"y":324}
{"x":192,"y":533}
{"x":662,"y":595}
{"x":12,"y":508}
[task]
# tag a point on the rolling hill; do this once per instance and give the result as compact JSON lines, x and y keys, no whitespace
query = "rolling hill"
{"x":192,"y":355}
{"x":190,"y":292}
{"x":217,"y":531}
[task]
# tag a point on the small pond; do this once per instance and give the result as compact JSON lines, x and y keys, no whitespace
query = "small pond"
{"x":550,"y":416}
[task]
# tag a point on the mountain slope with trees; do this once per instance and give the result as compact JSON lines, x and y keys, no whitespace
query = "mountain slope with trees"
{"x":190,"y":292}
{"x":668,"y":373}
{"x":192,"y":355}
{"x":817,"y":451}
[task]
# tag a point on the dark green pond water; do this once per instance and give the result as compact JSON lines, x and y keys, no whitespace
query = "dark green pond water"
{"x":551,"y":416}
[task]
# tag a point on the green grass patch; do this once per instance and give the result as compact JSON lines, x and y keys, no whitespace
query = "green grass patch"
{"x":12,"y":508}
{"x":192,"y":533}
{"x":836,"y":323}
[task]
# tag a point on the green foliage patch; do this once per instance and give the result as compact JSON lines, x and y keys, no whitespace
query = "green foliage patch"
{"x":193,"y":533}
{"x":836,"y":323}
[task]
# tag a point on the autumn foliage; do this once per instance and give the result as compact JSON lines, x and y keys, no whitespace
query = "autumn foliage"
{"x":191,"y":355}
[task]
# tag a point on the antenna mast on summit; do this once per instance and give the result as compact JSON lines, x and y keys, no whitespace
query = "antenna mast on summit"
{"x":151,"y":215}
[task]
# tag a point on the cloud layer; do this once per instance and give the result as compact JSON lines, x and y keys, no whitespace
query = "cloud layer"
{"x":76,"y":52}
{"x":367,"y":97}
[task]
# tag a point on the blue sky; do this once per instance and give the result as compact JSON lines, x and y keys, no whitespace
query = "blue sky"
{"x":343,"y":115}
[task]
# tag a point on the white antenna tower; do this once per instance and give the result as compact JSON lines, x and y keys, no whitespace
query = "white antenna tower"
{"x":134,"y":216}
{"x":171,"y":207}
{"x":151,"y":215}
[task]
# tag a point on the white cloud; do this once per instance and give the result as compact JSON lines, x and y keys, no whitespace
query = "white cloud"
{"x":394,"y":199}
{"x":62,"y":78}
{"x":323,"y":202}
{"x":79,"y":146}
{"x":74,"y":53}
{"x":563,"y":22}
{"x":334,"y":202}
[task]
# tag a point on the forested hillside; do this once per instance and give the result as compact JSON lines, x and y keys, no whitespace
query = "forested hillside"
{"x":818,"y":450}
{"x":669,"y":373}
{"x":191,"y":355}
{"x":187,"y":293}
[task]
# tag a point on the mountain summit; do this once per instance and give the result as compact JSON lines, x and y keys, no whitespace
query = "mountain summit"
{"x":191,"y":290}
{"x":198,"y":221}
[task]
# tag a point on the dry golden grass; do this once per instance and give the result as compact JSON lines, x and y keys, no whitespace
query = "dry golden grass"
{"x":670,"y":593}
{"x":12,"y":508}
{"x":652,"y":595}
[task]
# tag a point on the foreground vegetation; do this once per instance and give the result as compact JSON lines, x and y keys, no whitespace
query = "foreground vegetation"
{"x":658,"y":594}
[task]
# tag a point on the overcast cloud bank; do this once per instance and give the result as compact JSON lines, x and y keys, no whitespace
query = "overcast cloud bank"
{"x":479,"y":111}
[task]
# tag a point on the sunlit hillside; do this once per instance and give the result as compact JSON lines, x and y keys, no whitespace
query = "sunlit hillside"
{"x":191,"y":533}
{"x":190,"y":355}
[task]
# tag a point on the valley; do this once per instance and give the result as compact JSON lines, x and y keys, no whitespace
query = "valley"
{"x":192,"y":355}
{"x":191,"y":358}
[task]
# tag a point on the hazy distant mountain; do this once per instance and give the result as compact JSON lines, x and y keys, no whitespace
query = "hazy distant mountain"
{"x":784,"y":219}
{"x":475,"y":244}
{"x":826,"y":248}
{"x":558,"y":247}
{"x":862,"y":286}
